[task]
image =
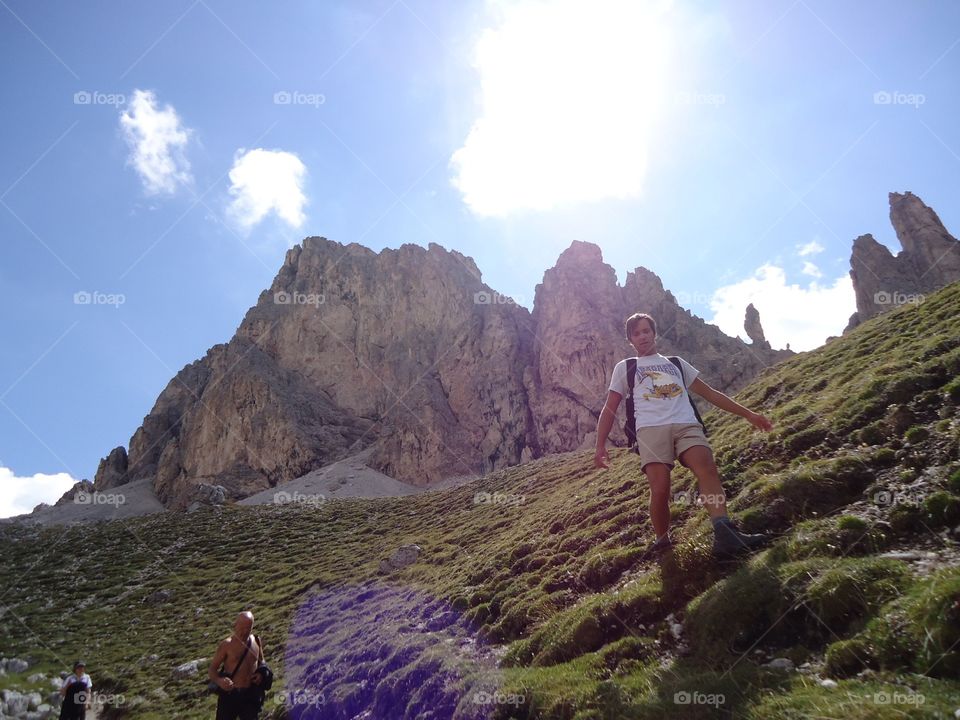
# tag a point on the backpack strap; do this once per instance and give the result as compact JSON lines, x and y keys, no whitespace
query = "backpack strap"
{"x":676,"y":361}
{"x":630,"y":426}
{"x":246,"y":649}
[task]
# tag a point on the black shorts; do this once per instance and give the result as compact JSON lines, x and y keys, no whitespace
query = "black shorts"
{"x":239,"y":704}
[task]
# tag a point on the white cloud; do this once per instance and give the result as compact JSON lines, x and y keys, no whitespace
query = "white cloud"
{"x":811,"y":248}
{"x":570,"y":92}
{"x":262,"y":181}
{"x":21,"y":494}
{"x":157,"y":140}
{"x":801,"y":316}
{"x":810,"y":269}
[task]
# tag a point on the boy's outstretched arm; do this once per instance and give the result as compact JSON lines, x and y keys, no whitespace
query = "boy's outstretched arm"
{"x":604,"y":424}
{"x":730,"y":405}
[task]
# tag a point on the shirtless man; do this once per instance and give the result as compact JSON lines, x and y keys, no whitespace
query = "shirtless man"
{"x":238,"y":656}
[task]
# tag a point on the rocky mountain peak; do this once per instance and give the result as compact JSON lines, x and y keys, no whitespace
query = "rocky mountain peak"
{"x":929,"y":260}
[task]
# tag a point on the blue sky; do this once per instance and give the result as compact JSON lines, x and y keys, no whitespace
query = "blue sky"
{"x":161,"y":158}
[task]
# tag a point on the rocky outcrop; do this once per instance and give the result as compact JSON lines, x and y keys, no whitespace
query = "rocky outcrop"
{"x":578,"y":324}
{"x":348,"y":348}
{"x":112,"y":470}
{"x":408,"y":354}
{"x":400,"y":558}
{"x":82,"y":487}
{"x":205,"y":496}
{"x":751,"y":323}
{"x":929,"y":260}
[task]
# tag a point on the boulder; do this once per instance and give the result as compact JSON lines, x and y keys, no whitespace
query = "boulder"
{"x":400,"y":558}
{"x":187,"y":670}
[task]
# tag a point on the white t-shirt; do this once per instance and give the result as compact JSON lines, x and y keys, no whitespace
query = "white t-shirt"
{"x":72,"y":678}
{"x":659,"y":394}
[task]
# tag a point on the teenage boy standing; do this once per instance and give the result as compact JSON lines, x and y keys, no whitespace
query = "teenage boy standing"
{"x":668,"y":430}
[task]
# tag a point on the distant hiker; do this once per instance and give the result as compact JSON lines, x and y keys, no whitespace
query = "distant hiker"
{"x":668,"y":427}
{"x":239,"y":696}
{"x":76,"y":691}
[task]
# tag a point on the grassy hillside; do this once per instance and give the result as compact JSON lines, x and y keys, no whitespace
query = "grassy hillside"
{"x":531,"y":599}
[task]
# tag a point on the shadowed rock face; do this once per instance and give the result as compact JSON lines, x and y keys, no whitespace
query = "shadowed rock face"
{"x":930,"y":260}
{"x":408,"y":353}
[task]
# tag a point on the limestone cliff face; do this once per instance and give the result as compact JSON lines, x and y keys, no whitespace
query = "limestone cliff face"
{"x":409,"y":352}
{"x":930,"y":259}
{"x":578,"y":319}
{"x":346,"y":349}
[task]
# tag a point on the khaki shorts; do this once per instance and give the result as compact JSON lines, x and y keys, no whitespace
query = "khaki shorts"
{"x":666,"y":443}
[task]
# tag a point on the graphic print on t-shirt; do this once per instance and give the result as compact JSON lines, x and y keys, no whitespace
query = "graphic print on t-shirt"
{"x":660,"y":397}
{"x":656,"y":391}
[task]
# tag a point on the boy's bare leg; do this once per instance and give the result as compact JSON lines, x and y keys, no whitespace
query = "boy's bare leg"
{"x":699,"y":459}
{"x":658,"y":475}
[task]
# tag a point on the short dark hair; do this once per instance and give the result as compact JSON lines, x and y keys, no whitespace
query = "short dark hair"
{"x":637,"y":317}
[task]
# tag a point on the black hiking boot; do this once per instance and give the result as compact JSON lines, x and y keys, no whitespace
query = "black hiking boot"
{"x":729,"y":542}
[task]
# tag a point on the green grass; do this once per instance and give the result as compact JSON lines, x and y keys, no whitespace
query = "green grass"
{"x":545,"y":608}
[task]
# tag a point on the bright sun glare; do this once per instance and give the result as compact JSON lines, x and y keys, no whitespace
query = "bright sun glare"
{"x":570,"y":96}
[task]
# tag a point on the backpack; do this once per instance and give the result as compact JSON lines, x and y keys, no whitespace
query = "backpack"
{"x":266,"y":677}
{"x":630,"y":426}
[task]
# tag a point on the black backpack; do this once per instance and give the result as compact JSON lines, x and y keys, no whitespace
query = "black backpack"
{"x":630,"y":426}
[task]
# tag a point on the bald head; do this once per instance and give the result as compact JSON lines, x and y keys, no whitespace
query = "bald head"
{"x":243,"y":624}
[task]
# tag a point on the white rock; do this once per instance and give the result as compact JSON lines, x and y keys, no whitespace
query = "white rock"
{"x":34,"y":699}
{"x":828,"y":683}
{"x":780,"y":664}
{"x":186,"y":670}
{"x":400,"y":558}
{"x":15,"y":665}
{"x":15,"y":703}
